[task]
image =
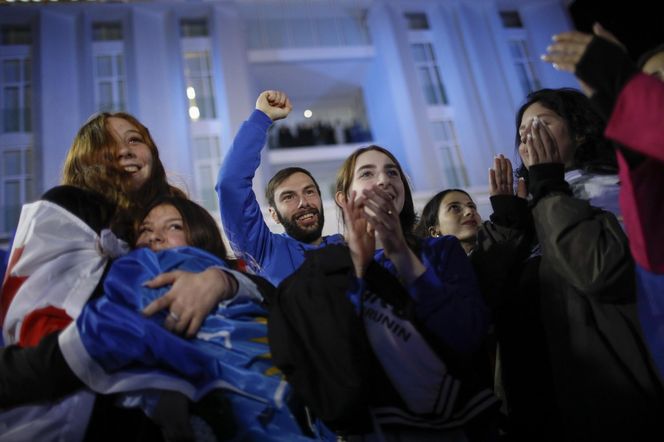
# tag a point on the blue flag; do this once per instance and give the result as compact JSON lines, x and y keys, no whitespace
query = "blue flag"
{"x":113,"y":348}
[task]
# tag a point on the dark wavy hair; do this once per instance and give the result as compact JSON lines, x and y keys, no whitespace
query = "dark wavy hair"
{"x":200,"y":229}
{"x":407,"y":217}
{"x":429,"y":217}
{"x":584,"y":125}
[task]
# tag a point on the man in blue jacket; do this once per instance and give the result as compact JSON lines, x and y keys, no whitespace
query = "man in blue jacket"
{"x":293,"y":196}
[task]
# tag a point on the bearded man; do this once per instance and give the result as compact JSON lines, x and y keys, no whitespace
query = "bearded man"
{"x":293,"y":196}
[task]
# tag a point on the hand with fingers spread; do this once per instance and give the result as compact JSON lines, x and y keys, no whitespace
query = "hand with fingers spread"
{"x":191,"y":297}
{"x":274,"y":104}
{"x":359,"y":232}
{"x":501,"y":179}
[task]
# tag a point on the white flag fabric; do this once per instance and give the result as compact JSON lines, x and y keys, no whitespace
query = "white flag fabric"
{"x":57,"y":257}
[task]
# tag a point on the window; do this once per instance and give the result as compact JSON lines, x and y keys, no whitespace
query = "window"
{"x":193,"y":28}
{"x":511,"y":19}
{"x":428,"y":73}
{"x":310,"y":31}
{"x":448,"y":152}
{"x":520,"y":52}
{"x":524,"y":65}
{"x":108,"y":67}
{"x":198,"y":80}
{"x":207,"y":160}
{"x":106,"y":31}
{"x":16,"y":93}
{"x":16,"y":184}
{"x":416,"y":21}
{"x":16,"y":35}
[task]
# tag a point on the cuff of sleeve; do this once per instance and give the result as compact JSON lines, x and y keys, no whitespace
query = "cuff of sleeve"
{"x":260,"y":118}
{"x":355,"y":291}
{"x":606,"y":68}
{"x":246,"y":288}
{"x":547,"y":178}
{"x":508,"y":210}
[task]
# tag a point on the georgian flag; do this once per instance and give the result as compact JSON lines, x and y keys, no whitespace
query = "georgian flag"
{"x":55,"y":264}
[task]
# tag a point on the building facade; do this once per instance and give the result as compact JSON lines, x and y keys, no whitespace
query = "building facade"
{"x":436,"y":81}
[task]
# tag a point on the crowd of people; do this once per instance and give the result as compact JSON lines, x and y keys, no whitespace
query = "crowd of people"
{"x":318,"y":133}
{"x":124,"y":316}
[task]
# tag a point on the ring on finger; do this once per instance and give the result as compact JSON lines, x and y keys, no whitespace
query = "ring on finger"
{"x":175,"y":317}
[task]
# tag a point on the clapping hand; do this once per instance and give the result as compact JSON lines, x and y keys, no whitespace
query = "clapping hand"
{"x":501,"y":179}
{"x":360,"y":234}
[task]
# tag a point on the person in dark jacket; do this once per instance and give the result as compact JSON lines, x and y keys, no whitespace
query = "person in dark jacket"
{"x":575,"y":366}
{"x":633,"y":103}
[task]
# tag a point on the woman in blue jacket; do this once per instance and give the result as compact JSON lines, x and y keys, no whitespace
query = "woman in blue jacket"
{"x":417,"y":302}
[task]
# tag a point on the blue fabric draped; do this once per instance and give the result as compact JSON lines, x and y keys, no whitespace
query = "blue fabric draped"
{"x":230,"y":350}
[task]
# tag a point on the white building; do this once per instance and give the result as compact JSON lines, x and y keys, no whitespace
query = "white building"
{"x":436,"y":81}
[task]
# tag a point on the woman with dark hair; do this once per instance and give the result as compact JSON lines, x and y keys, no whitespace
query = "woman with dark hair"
{"x":633,"y":103}
{"x":451,"y":212}
{"x":397,"y":285}
{"x":113,"y":347}
{"x":585,"y":146}
{"x":573,"y":358}
{"x":589,"y":159}
{"x":198,"y":227}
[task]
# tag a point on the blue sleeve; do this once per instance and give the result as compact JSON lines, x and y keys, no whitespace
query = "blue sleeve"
{"x":447,"y":297}
{"x":355,"y":292}
{"x":241,"y":214}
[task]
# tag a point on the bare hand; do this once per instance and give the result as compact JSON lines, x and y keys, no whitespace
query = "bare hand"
{"x":274,"y":104}
{"x":568,"y":47}
{"x":191,"y":297}
{"x":380,"y":211}
{"x":540,"y":146}
{"x":359,"y":233}
{"x":501,"y":179}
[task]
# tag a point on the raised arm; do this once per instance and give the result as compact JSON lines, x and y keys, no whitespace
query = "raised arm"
{"x":632,"y":101}
{"x":241,"y":214}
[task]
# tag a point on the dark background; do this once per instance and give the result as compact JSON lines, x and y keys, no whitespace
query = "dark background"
{"x":638,"y":24}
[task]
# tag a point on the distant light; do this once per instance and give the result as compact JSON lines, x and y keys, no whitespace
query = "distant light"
{"x":308,"y":113}
{"x":191,"y":93}
{"x":194,"y":113}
